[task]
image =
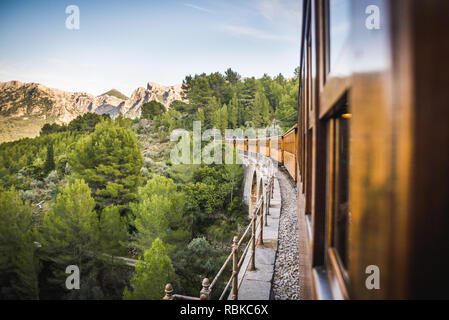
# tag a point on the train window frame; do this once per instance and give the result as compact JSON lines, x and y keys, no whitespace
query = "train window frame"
{"x":336,"y":266}
{"x":334,"y":87}
{"x":326,"y":37}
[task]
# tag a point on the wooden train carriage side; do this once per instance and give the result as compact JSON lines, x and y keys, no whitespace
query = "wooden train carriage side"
{"x":289,"y":151}
{"x":240,"y":144}
{"x":276,"y":148}
{"x":372,"y":122}
{"x":264,"y":147}
{"x":252,"y":145}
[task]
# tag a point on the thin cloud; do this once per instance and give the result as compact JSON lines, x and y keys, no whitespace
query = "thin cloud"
{"x":252,"y":33}
{"x":198,"y":8}
{"x":279,"y":10}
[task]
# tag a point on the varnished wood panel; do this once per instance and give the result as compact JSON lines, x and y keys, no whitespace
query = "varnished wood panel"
{"x":240,"y":144}
{"x":252,"y":145}
{"x":290,"y":164}
{"x":276,"y":148}
{"x":264,"y":147}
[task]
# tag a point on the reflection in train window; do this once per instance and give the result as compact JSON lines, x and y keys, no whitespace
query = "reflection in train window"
{"x":338,"y":214}
{"x":339,"y":28}
{"x":341,"y":211}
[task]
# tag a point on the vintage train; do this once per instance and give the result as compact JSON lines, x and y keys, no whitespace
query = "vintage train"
{"x":370,"y":152}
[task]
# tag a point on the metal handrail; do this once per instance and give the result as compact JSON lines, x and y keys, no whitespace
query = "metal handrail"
{"x":242,"y":238}
{"x":205,"y":293}
{"x":181,"y":297}
{"x":242,"y":258}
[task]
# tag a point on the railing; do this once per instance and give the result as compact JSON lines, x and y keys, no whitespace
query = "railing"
{"x":258,"y":220}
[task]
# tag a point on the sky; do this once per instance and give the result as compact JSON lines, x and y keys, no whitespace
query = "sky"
{"x":125,"y":44}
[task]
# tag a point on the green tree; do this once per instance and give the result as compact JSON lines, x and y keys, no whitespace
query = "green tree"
{"x":50,"y":160}
{"x":287,"y":110}
{"x":86,"y":122}
{"x":261,"y":114}
{"x":109,"y":160}
{"x":152,"y":109}
{"x":153,"y":272}
{"x":70,"y":232}
{"x":233,"y":175}
{"x":233,"y":110}
{"x":18,"y":265}
{"x":113,"y":231}
{"x":231,"y":76}
{"x":210,"y":112}
{"x":203,"y":196}
{"x":221,"y":89}
{"x":197,"y":90}
{"x":159,"y":214}
{"x":220,"y":118}
{"x":200,"y":116}
{"x":182,"y":107}
{"x":224,"y":115}
{"x":52,"y":128}
{"x":196,"y":262}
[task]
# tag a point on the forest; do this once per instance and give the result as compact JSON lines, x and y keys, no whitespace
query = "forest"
{"x":99,"y":188}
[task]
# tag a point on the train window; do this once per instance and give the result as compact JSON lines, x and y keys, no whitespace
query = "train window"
{"x":338,"y":214}
{"x":339,"y":28}
{"x":341,"y":211}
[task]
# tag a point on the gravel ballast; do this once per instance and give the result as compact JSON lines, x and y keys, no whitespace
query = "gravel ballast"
{"x":286,"y":271}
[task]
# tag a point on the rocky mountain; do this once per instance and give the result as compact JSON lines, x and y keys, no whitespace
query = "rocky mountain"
{"x":163,"y":94}
{"x":21,"y":103}
{"x":115,"y":93}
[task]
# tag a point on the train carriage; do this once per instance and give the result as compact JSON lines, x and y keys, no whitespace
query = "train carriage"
{"x":372,"y":127}
{"x":264,"y":147}
{"x":252,"y":145}
{"x":369,"y":152}
{"x":289,"y":150}
{"x":276,"y":149}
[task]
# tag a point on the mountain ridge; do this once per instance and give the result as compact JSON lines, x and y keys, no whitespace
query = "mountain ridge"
{"x":22,"y":103}
{"x":115,"y":93}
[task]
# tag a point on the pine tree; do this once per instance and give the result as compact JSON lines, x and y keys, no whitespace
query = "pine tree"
{"x":197,"y":90}
{"x":152,"y":109}
{"x":50,"y":161}
{"x":220,"y":118}
{"x":70,"y":231}
{"x":158,"y":213}
{"x":200,"y":116}
{"x":152,"y":274}
{"x":211,"y":112}
{"x":256,"y":114}
{"x":199,"y":259}
{"x":109,"y":160}
{"x":231,"y":76}
{"x":248,"y":93}
{"x":113,"y":231}
{"x":224,"y":118}
{"x":18,"y":265}
{"x":233,"y":112}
